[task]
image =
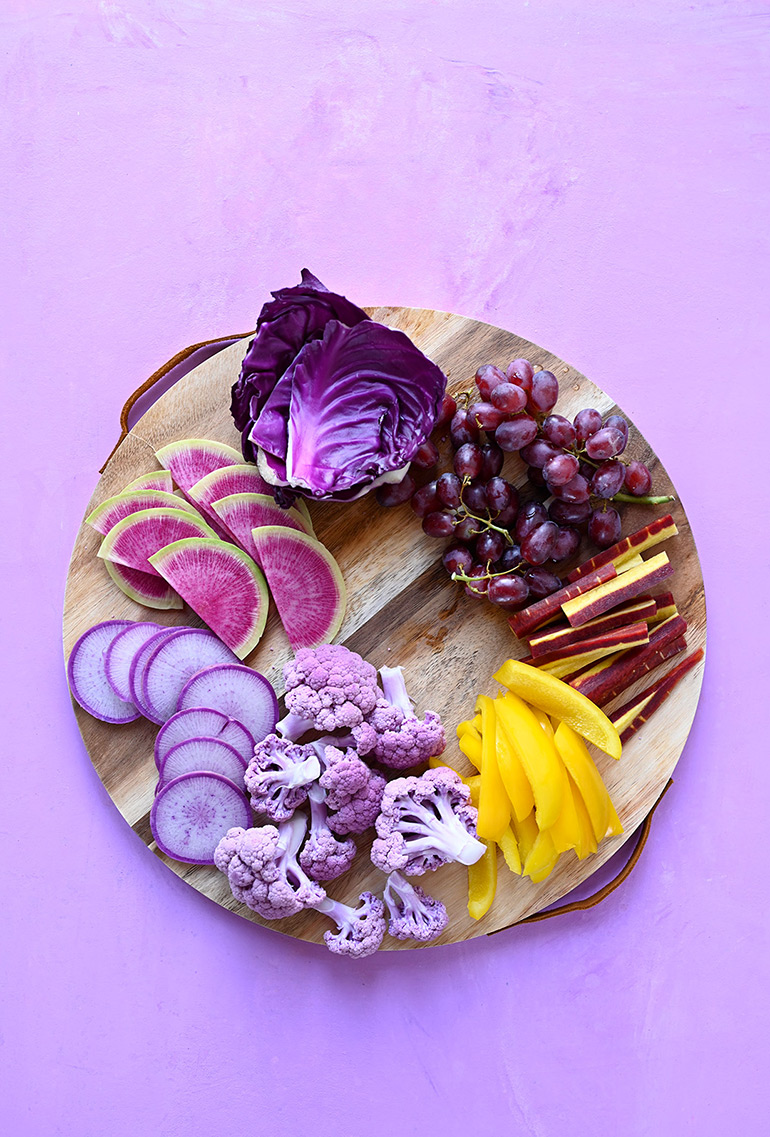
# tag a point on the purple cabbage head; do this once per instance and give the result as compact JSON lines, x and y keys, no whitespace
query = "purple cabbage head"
{"x":330,"y":403}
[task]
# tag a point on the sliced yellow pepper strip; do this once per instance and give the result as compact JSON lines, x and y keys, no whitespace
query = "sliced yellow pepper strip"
{"x":542,"y":857}
{"x":471,"y":748}
{"x":566,"y":832}
{"x":587,"y":843}
{"x":587,"y":778}
{"x":510,"y":850}
{"x":538,"y":756}
{"x":482,"y":882}
{"x":544,"y":720}
{"x":473,"y":725}
{"x":494,"y":806}
{"x":512,"y":772}
{"x":559,"y":699}
{"x":526,"y":832}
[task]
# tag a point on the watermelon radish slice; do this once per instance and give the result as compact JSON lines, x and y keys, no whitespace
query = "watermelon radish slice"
{"x":88,"y":678}
{"x":190,"y":459}
{"x":306,"y":584}
{"x":120,"y":655}
{"x":236,"y":691}
{"x":114,"y":509}
{"x":133,"y":540}
{"x":222,"y":584}
{"x":242,"y":512}
{"x":301,"y":507}
{"x":156,"y":480}
{"x":209,"y":754}
{"x":172,"y":663}
{"x":151,"y":591}
{"x":202,"y":722}
{"x":191,"y":814}
{"x":138,"y":664}
{"x":227,"y":480}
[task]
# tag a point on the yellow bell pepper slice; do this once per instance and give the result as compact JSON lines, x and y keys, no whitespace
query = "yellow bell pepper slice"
{"x":544,"y":720}
{"x":525,"y":832}
{"x":538,"y":755}
{"x":566,"y":831}
{"x":472,"y":725}
{"x":482,"y":882}
{"x":471,"y":748}
{"x":510,"y":850}
{"x":587,"y":843}
{"x":559,"y":699}
{"x":588,"y":780}
{"x":542,"y":857}
{"x":494,"y":806}
{"x":512,"y":772}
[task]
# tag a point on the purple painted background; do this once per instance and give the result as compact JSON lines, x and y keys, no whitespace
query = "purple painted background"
{"x":591,"y":175}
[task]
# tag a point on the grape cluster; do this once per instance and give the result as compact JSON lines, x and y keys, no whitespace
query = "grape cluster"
{"x":500,"y":546}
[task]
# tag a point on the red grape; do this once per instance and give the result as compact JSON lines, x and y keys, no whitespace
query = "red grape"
{"x":558,"y":430}
{"x":520,"y":372}
{"x":604,"y":527}
{"x":446,"y":411}
{"x":638,"y":479}
{"x":467,"y":530}
{"x":608,"y":479}
{"x":606,"y":443}
{"x":426,"y":500}
{"x":508,"y":591}
{"x":587,"y":422}
{"x":457,"y":558}
{"x":395,"y":493}
{"x":467,"y":460}
{"x":489,"y":546}
{"x":566,"y":544}
{"x":560,"y":469}
{"x":537,"y":545}
{"x":569,"y":512}
{"x":508,"y":398}
{"x":538,"y":452}
{"x":475,"y":497}
{"x":439,"y":524}
{"x":515,"y":433}
{"x":487,"y":416}
{"x":499,"y":494}
{"x":545,"y":391}
{"x":487,"y":378}
{"x":542,"y":582}
{"x":575,"y":490}
{"x":620,"y":424}
{"x":530,"y":516}
{"x":426,"y":456}
{"x":479,"y":580}
{"x":448,"y":489}
{"x":492,"y":461}
{"x":508,"y":515}
{"x":511,"y":558}
{"x":463,"y":429}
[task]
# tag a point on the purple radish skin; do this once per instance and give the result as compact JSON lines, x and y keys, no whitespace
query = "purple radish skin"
{"x":136,"y":670}
{"x":120,"y":655}
{"x":88,"y":679}
{"x":192,"y":813}
{"x":203,"y":755}
{"x":203,"y":722}
{"x":237,"y":691}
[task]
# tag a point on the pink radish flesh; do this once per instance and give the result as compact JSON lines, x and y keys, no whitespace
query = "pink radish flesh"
{"x":134,"y":539}
{"x":173,"y":662}
{"x":151,"y":591}
{"x":138,"y":664}
{"x":225,"y":481}
{"x":203,"y":754}
{"x":202,"y":722}
{"x":237,"y":691}
{"x":120,"y":655}
{"x":240,"y":513}
{"x":114,"y":509}
{"x":88,"y":678}
{"x":191,"y":815}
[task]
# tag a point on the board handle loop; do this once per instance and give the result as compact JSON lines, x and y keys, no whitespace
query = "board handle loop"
{"x":602,"y":893}
{"x":219,"y":343}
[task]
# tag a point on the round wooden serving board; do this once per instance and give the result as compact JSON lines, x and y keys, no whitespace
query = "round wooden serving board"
{"x":402,"y":609}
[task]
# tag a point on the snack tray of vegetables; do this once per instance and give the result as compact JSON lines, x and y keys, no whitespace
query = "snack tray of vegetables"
{"x":384,"y":628}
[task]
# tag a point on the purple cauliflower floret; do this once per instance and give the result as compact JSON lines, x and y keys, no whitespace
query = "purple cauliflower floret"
{"x":278,"y":776}
{"x":426,"y":822}
{"x":330,"y":688}
{"x":413,"y":915}
{"x":324,"y":856}
{"x":353,"y":789}
{"x":263,"y":871}
{"x":361,"y":929}
{"x":392,"y":734}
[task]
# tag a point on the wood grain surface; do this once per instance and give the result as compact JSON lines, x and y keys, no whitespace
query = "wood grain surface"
{"x":402,"y":609}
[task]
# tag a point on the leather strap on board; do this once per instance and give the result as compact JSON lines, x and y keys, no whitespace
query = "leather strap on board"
{"x":156,"y":378}
{"x":644,"y":830}
{"x":610,"y":886}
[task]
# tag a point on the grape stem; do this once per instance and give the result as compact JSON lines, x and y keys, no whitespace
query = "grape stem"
{"x":470,"y":580}
{"x":649,"y":500}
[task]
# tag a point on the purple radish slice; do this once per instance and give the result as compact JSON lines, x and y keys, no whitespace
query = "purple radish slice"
{"x":227,"y":480}
{"x":150,"y":591}
{"x":139,"y":663}
{"x":240,"y":513}
{"x":120,"y":655}
{"x":203,"y":754}
{"x":306,"y":584}
{"x":192,"y":813}
{"x":172,"y":663}
{"x":222,"y":584}
{"x":134,"y":539}
{"x":203,"y":722}
{"x":191,"y":459}
{"x":156,"y":480}
{"x":236,"y":691}
{"x":88,"y":679}
{"x":114,"y":509}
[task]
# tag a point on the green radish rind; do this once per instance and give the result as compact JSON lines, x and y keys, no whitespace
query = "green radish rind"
{"x":122,"y":505}
{"x":155,"y":480}
{"x":207,"y":489}
{"x":199,"y":454}
{"x":296,"y":590}
{"x":192,"y":564}
{"x":152,"y":592}
{"x":111,"y":550}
